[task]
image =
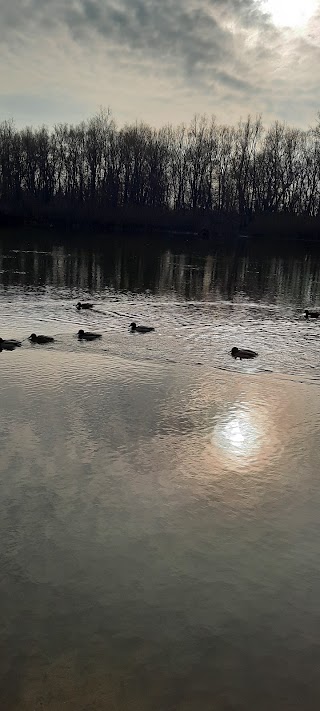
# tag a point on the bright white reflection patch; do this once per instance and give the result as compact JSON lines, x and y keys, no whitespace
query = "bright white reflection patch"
{"x":290,"y":13}
{"x":238,"y":433}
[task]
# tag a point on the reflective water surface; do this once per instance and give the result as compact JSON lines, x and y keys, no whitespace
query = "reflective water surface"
{"x":159,"y":502}
{"x":201,"y":303}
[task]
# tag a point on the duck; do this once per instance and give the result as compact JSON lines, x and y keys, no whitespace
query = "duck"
{"x":84,"y":305}
{"x":140,"y":329}
{"x":5,"y":346}
{"x":311,"y":314}
{"x":87,"y":336}
{"x":243,"y":353}
{"x":40,"y":339}
{"x":9,"y":343}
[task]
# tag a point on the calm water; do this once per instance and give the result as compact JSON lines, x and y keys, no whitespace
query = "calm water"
{"x":159,"y":502}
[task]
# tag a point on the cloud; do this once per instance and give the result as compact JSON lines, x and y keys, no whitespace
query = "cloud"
{"x":191,"y":47}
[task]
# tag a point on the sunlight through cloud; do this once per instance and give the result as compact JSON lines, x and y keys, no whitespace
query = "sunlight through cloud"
{"x":294,"y":13}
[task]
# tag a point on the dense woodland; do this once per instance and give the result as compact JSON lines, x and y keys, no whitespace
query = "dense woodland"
{"x":96,"y":171}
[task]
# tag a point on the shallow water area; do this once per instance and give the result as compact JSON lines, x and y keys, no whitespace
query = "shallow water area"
{"x":159,"y":518}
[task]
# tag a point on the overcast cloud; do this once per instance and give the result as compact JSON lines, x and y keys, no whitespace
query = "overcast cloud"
{"x":156,"y":60}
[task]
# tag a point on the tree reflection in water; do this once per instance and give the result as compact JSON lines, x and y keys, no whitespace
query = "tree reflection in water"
{"x":128,"y":264}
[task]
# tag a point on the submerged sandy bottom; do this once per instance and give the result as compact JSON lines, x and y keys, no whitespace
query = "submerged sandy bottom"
{"x":159,"y":536}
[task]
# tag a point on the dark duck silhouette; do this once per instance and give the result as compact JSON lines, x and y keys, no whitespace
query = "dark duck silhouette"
{"x":9,"y":343}
{"x":40,"y":339}
{"x":311,"y":314}
{"x":243,"y":353}
{"x":85,"y":305}
{"x":140,"y":329}
{"x":88,"y":336}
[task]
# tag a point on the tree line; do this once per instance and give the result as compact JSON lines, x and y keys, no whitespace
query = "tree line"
{"x":204,"y":166}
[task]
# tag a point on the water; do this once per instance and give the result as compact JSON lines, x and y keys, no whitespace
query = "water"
{"x":159,"y":518}
{"x":201,"y":304}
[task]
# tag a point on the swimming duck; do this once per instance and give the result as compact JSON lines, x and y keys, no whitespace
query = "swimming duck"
{"x":5,"y":346}
{"x":9,"y":343}
{"x":140,"y":329}
{"x":311,"y":314}
{"x":84,"y":306}
{"x":243,"y":353}
{"x":87,"y":336}
{"x":40,"y":339}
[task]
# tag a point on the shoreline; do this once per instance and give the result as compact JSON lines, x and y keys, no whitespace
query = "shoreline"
{"x":198,"y":228}
{"x":41,"y":235}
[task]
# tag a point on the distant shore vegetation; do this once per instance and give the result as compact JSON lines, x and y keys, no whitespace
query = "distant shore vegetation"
{"x":204,"y":177}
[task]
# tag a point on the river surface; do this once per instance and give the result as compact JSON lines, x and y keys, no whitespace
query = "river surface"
{"x":159,"y":501}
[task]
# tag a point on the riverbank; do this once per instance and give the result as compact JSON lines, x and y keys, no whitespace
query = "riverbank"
{"x":202,"y":226}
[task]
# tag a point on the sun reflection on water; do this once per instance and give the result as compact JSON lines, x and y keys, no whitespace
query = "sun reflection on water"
{"x":241,"y":433}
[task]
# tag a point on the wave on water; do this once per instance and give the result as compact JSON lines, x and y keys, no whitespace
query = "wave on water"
{"x":185,"y":332}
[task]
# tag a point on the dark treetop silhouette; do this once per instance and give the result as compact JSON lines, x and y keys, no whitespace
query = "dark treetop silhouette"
{"x":204,"y":177}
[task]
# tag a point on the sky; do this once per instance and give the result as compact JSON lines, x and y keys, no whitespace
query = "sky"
{"x":159,"y":61}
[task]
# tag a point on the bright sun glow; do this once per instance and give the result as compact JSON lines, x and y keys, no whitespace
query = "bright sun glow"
{"x":238,"y":433}
{"x":290,"y":13}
